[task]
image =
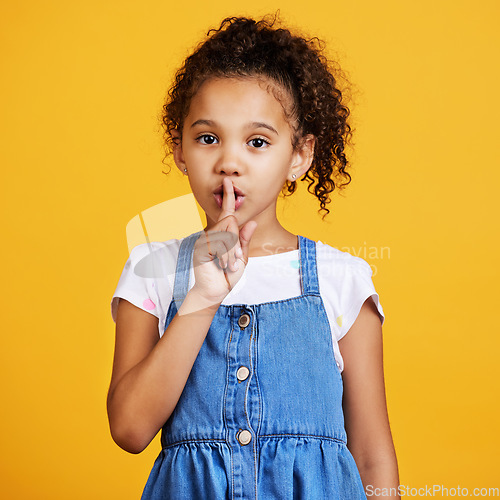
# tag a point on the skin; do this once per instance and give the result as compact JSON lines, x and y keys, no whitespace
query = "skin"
{"x":220,"y":144}
{"x":218,"y":141}
{"x":366,"y":420}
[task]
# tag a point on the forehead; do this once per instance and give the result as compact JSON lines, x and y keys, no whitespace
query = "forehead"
{"x":239,"y":99}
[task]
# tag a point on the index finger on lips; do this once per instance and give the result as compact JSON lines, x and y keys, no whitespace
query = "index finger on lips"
{"x":229,"y":229}
{"x":228,"y":202}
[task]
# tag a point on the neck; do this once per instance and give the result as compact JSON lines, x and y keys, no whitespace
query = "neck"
{"x":278,"y":241}
{"x":270,"y":236}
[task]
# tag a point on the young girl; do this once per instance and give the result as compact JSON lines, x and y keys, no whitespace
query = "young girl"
{"x":262,"y":360}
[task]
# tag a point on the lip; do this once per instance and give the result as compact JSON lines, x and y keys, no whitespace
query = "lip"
{"x":237,"y":191}
{"x":240,"y":196}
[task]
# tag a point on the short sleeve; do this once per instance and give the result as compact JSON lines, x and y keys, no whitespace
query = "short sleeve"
{"x":147,"y":279}
{"x":357,"y":287}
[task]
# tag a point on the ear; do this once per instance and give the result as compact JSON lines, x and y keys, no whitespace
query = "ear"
{"x":177,"y":151}
{"x":302,"y":158}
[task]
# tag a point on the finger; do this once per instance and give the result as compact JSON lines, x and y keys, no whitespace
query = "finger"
{"x":220,"y":246}
{"x":227,"y":233}
{"x":228,"y":201}
{"x":213,"y":247}
{"x":234,"y":265}
{"x":221,"y":254}
{"x":227,"y":281}
{"x":246,"y":233}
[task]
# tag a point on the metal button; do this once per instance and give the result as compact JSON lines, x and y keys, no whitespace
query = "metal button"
{"x":244,"y":437}
{"x":242,"y":373}
{"x":244,"y":321}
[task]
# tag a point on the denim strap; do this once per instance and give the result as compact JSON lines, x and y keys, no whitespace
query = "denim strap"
{"x":308,"y":268}
{"x":182,"y":271}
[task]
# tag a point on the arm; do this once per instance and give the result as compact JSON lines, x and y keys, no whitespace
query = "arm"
{"x":364,"y":401}
{"x":149,"y":373}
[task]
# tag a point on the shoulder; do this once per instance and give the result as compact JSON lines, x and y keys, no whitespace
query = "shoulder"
{"x":332,"y":260}
{"x":155,"y":259}
{"x":345,"y":283}
{"x":147,"y":278}
{"x":139,"y":251}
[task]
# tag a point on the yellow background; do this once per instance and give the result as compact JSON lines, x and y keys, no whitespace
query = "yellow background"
{"x":81,"y":89}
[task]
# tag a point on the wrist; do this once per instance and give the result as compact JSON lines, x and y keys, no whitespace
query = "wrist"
{"x":197,"y":301}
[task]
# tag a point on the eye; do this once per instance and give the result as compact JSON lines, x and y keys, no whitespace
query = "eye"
{"x":206,"y":139}
{"x":259,"y":142}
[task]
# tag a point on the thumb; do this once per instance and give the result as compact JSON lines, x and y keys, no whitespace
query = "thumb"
{"x":246,"y":233}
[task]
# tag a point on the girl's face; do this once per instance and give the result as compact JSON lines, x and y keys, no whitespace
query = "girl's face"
{"x":236,"y":128}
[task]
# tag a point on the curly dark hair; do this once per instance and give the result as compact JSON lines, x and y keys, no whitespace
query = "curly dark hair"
{"x":243,"y":47}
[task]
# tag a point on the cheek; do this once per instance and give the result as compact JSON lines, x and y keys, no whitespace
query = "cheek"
{"x":278,"y":158}
{"x":190,"y":155}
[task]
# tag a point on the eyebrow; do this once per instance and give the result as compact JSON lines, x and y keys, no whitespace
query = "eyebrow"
{"x":211,"y":123}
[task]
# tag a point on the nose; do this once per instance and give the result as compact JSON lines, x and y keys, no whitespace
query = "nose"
{"x":229,"y":162}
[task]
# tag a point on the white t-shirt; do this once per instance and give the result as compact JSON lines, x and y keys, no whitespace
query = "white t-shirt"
{"x":345,"y":282}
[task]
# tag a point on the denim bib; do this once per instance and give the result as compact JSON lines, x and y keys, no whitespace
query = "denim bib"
{"x":260,"y":416}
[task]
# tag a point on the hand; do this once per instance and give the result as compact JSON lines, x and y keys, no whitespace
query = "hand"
{"x":221,"y":254}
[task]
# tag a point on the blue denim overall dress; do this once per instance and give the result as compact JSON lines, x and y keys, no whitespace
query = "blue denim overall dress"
{"x":260,"y":416}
